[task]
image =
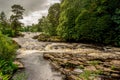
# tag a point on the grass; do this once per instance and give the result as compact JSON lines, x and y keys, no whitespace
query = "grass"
{"x":87,"y":75}
{"x":4,"y":77}
{"x":80,"y":67}
{"x":113,"y":67}
{"x":95,"y":62}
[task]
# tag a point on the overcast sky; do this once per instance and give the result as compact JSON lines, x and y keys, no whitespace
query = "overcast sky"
{"x":34,"y":9}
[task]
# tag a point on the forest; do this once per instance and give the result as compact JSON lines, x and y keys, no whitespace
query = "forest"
{"x":90,"y":21}
{"x":74,"y":21}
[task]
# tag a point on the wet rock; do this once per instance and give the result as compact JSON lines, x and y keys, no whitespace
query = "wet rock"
{"x":19,"y":64}
{"x":48,"y":56}
{"x":96,"y":78}
{"x":90,"y":68}
{"x":55,"y":65}
{"x":67,"y":71}
{"x":72,"y":77}
{"x":115,"y":62}
{"x":67,"y":56}
{"x":57,"y":55}
{"x":74,"y":62}
{"x":115,"y":75}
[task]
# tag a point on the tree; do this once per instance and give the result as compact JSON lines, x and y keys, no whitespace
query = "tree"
{"x":3,"y":20}
{"x":16,"y":16}
{"x":4,"y":24}
{"x":90,"y":20}
{"x":2,"y":17}
{"x":69,"y":11}
{"x":53,"y":16}
{"x":94,"y":22}
{"x":45,"y":25}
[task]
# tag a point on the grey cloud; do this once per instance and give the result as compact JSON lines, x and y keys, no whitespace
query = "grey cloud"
{"x":29,"y":5}
{"x":34,"y":9}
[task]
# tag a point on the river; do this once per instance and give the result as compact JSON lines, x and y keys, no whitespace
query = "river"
{"x":31,"y":55}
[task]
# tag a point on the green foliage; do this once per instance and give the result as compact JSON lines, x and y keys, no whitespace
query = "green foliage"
{"x":69,"y":12}
{"x":113,"y":67}
{"x":44,"y":37}
{"x":90,"y":20}
{"x":85,"y":75}
{"x":7,"y":67}
{"x":94,"y":63}
{"x":4,"y":77}
{"x":7,"y":55}
{"x":5,"y":26}
{"x":15,"y":17}
{"x":11,"y":27}
{"x":32,"y":28}
{"x":81,"y":67}
{"x":98,"y":72}
{"x":53,"y":17}
{"x":49,"y":24}
{"x":90,"y":75}
{"x":116,"y":20}
{"x":46,"y":26}
{"x":7,"y":48}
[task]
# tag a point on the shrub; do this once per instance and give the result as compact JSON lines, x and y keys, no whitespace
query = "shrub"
{"x":7,"y":48}
{"x":7,"y":55}
{"x":7,"y":67}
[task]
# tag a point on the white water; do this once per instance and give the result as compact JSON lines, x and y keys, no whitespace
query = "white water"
{"x":31,"y":55}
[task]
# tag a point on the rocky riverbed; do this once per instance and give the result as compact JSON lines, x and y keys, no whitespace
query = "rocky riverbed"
{"x":86,"y":62}
{"x":75,"y":61}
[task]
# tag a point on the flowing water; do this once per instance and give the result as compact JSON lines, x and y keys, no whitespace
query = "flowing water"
{"x":31,"y":55}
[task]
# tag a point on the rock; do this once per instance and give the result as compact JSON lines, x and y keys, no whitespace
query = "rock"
{"x":67,"y":71}
{"x":115,"y":75}
{"x":107,"y":71}
{"x":115,"y":62}
{"x":77,"y":71}
{"x":96,"y":78}
{"x":57,"y":55}
{"x":72,"y":77}
{"x":90,"y":68}
{"x":74,"y":62}
{"x":55,"y":65}
{"x":65,"y":61}
{"x":48,"y":56}
{"x":20,"y":65}
{"x":58,"y":59}
{"x":62,"y":70}
{"x":83,"y":59}
{"x":67,"y":56}
{"x":100,"y":67}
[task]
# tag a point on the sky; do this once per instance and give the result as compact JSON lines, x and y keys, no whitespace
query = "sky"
{"x":34,"y":9}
